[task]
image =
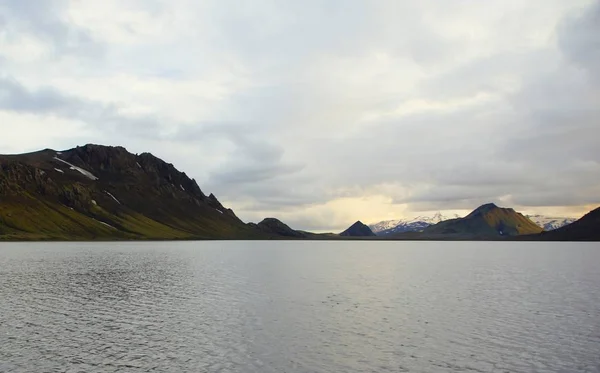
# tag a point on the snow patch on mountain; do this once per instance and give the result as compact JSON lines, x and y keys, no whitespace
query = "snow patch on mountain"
{"x":85,"y":173}
{"x":417,"y":224}
{"x":550,"y":223}
{"x":113,"y":197}
{"x":103,"y":223}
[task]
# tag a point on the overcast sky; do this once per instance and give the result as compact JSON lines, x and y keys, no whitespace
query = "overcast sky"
{"x":323,"y":112}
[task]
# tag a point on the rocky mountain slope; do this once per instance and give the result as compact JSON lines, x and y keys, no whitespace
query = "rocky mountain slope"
{"x":358,"y":229}
{"x":100,"y":192}
{"x":487,"y":221}
{"x":418,"y":224}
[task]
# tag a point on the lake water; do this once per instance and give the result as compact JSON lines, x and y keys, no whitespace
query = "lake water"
{"x":300,"y":307}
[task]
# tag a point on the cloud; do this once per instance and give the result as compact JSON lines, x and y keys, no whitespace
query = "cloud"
{"x":15,"y":97}
{"x":321,"y":113}
{"x":46,"y":100}
{"x":252,"y":174}
{"x":579,"y":39}
{"x":45,"y":20}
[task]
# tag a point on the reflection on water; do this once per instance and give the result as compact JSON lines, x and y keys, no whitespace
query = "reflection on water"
{"x":299,"y":307}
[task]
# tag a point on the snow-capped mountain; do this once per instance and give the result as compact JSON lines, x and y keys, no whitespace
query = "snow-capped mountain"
{"x":417,"y":224}
{"x":550,"y":223}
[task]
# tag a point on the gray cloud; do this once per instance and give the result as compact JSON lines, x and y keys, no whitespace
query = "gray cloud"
{"x":252,"y":174}
{"x":252,"y":159}
{"x":579,"y":39}
{"x":46,"y":20}
{"x":16,"y":97}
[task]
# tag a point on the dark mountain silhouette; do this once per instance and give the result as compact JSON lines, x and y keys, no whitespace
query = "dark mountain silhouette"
{"x":276,"y":229}
{"x":273,"y":226}
{"x":358,"y":229}
{"x":585,"y":229}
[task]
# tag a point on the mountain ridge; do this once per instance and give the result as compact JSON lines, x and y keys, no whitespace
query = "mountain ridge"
{"x":274,"y":226}
{"x":549,"y":223}
{"x":102,"y":192}
{"x":486,"y":221}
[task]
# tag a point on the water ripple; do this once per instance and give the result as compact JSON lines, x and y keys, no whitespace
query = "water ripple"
{"x":299,"y":307}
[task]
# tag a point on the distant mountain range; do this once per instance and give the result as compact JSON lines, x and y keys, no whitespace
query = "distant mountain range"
{"x":490,"y":222}
{"x":549,"y":223}
{"x":96,"y":192}
{"x":418,"y":224}
{"x":585,"y":229}
{"x":487,"y":221}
